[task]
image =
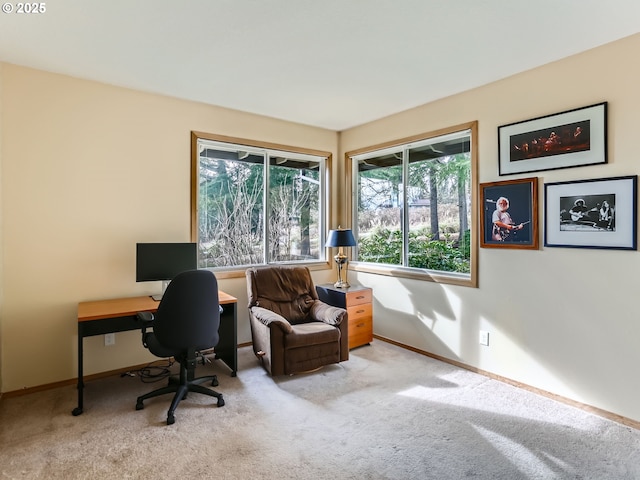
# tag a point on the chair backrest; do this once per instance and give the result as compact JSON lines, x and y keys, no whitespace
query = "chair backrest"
{"x":188,"y":315}
{"x":288,"y":291}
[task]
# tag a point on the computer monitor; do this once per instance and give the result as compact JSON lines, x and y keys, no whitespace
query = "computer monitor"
{"x":163,"y":261}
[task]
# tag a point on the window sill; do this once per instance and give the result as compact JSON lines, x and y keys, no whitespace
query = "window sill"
{"x":239,"y":272}
{"x":451,"y":278}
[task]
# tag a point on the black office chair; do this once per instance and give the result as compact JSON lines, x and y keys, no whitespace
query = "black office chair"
{"x":185,"y":324}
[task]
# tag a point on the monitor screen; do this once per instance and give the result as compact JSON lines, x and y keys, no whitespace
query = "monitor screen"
{"x":163,"y":261}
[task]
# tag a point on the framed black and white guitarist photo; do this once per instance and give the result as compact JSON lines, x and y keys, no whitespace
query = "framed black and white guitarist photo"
{"x":509,"y":214}
{"x":594,"y":213}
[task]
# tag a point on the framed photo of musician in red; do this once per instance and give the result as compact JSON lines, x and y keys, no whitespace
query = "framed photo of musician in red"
{"x":509,"y":214}
{"x":594,"y":213}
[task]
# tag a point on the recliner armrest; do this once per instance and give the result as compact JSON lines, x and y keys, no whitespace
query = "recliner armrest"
{"x":323,"y":312}
{"x":270,"y":318}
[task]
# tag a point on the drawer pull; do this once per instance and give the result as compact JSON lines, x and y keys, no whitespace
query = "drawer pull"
{"x":360,"y":311}
{"x":360,"y":297}
{"x":360,"y":325}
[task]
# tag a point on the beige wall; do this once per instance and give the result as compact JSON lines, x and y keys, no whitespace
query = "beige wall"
{"x":1,"y":236}
{"x":87,"y":170}
{"x":560,"y":319}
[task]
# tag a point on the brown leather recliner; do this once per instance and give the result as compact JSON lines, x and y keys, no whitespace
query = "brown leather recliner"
{"x":292,"y":330}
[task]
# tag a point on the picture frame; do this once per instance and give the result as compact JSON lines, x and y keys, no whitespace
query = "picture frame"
{"x":594,"y":213}
{"x":510,"y":224}
{"x":573,"y":138}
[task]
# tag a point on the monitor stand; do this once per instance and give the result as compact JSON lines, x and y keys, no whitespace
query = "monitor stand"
{"x":157,"y":297}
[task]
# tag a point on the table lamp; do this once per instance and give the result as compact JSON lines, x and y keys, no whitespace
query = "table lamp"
{"x":341,"y":238}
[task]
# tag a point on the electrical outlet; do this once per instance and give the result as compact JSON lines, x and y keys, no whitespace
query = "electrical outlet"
{"x":109,"y":339}
{"x":484,"y":337}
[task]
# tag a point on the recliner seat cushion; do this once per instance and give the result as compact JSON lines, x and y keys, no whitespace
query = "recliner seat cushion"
{"x":312,"y":333}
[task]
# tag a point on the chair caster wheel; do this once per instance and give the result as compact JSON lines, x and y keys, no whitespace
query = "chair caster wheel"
{"x":171,"y":420}
{"x":139,"y":405}
{"x":220,"y":401}
{"x":214,"y":382}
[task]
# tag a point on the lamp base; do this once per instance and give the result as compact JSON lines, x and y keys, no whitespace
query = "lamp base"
{"x":342,"y":261}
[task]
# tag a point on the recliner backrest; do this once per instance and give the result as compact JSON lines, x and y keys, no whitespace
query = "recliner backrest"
{"x":288,"y":291}
{"x":188,"y":315}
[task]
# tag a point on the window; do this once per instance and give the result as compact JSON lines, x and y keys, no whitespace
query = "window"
{"x":256,"y":203}
{"x":414,"y":206}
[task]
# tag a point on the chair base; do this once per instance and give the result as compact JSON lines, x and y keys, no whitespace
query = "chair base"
{"x":181,"y":387}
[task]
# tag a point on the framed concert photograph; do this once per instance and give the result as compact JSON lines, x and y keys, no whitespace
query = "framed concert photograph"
{"x":509,"y":214}
{"x":573,"y":138}
{"x":596,"y":213}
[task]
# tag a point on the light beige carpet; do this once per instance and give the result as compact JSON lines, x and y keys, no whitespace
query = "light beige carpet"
{"x":387,"y":413}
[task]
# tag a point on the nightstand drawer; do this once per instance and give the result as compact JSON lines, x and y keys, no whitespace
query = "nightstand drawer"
{"x":360,"y":332}
{"x":358,"y":312}
{"x":359,"y":297}
{"x":360,"y":325}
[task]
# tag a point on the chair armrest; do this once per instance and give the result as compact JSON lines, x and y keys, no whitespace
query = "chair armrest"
{"x":145,"y":317}
{"x":146,"y":321}
{"x":323,"y":312}
{"x":271,"y":319}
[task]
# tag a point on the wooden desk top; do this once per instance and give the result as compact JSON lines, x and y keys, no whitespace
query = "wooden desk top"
{"x":119,"y":307}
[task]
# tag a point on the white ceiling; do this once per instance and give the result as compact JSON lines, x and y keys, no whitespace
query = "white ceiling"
{"x":328,"y":63}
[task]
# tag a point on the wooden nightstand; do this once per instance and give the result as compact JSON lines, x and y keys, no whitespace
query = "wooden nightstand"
{"x":358,"y":301}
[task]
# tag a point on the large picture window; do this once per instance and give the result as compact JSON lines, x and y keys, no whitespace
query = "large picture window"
{"x":413,"y":208}
{"x":254,"y":203}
